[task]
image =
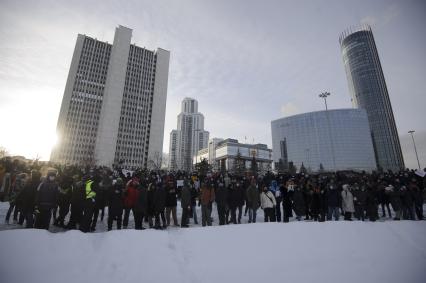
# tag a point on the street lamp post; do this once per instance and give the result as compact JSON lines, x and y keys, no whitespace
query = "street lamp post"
{"x":324,"y":95}
{"x":415,"y":149}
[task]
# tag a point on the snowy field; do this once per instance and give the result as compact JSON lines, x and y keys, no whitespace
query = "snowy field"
{"x":264,"y":252}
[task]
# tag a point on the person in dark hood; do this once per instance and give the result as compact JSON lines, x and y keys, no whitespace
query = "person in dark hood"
{"x":64,"y":200}
{"x":221,"y":202}
{"x":27,"y":196}
{"x":115,"y":203}
{"x":185,"y":203}
{"x":333,"y":201}
{"x":78,"y":196}
{"x":171,"y":201}
{"x":46,"y":200}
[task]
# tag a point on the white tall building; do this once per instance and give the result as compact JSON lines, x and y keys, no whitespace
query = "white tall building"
{"x":188,"y":138}
{"x":114,"y":104}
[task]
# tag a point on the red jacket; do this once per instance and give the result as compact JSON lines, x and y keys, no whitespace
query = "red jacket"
{"x":131,"y":194}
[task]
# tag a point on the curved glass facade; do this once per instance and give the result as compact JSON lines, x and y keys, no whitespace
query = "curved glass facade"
{"x":368,"y":90}
{"x":338,"y":139}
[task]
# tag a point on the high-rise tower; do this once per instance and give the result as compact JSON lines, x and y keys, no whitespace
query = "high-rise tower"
{"x":368,"y":90}
{"x":114,"y":104}
{"x":189,"y":138}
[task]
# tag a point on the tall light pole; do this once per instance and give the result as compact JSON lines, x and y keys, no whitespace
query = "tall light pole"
{"x":324,"y":95}
{"x":415,"y":149}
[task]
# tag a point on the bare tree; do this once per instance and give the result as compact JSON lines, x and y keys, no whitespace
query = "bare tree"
{"x":156,"y":161}
{"x":3,"y":152}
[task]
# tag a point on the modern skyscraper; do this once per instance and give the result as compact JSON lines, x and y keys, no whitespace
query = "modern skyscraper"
{"x":114,"y":104}
{"x":368,"y":90}
{"x":189,"y":138}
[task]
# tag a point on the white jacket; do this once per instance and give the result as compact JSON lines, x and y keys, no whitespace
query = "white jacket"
{"x":267,"y":200}
{"x":347,"y":200}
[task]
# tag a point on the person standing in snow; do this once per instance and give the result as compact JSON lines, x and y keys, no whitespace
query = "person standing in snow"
{"x":90,"y":189}
{"x":253,"y":200}
{"x":64,"y":200}
{"x":347,"y":202}
{"x":159,"y":205}
{"x":194,"y":185}
{"x":46,"y":200}
{"x":287,"y":190}
{"x":372,"y":202}
{"x":333,"y":201}
{"x":299,"y":203}
{"x":115,"y":203}
{"x":100,"y":200}
{"x":360,"y":199}
{"x":185,"y":203}
{"x":171,"y":201}
{"x":277,"y":194}
{"x":141,"y":206}
{"x":207,"y":196}
{"x":14,"y":202}
{"x":27,"y":196}
{"x":221,"y":202}
{"x":78,"y":196}
{"x":418,"y":198}
{"x":268,"y":203}
{"x":233,"y":200}
{"x":131,"y":196}
{"x":315,"y":204}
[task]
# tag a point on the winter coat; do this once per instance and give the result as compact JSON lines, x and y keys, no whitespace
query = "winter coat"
{"x":407,"y":198}
{"x":418,"y":196}
{"x":115,"y":199}
{"x":395,"y":198}
{"x":185,"y":196}
{"x":347,"y":201}
{"x":64,"y":196}
{"x":102,"y":193}
{"x":315,"y":204}
{"x":78,"y":195}
{"x":28,"y":195}
{"x":360,"y":198}
{"x":47,"y":195}
{"x":221,"y":195}
{"x":141,"y":204}
{"x":333,"y":198}
{"x":287,"y":200}
{"x":372,"y":203}
{"x":171,"y":199}
{"x":194,"y":195}
{"x":159,"y":199}
{"x":151,"y":199}
{"x":267,"y":200}
{"x":131,"y":194}
{"x":253,"y":197}
{"x":299,"y":202}
{"x":207,"y":195}
{"x":235,"y":196}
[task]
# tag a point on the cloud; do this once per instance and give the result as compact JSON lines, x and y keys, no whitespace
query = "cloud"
{"x":289,"y":109}
{"x":389,"y":14}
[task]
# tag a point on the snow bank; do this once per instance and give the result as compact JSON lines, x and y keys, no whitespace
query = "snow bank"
{"x":263,"y":252}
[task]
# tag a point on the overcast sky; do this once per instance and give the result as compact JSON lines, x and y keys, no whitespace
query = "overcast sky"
{"x":246,"y":62}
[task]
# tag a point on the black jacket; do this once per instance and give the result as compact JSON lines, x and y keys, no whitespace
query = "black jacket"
{"x":115,"y":199}
{"x":47,"y":195}
{"x":171,"y":198}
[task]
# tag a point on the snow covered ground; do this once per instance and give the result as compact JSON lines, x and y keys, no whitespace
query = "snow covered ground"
{"x":264,"y":252}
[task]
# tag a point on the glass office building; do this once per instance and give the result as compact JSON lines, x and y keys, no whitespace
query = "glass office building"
{"x":336,"y":139}
{"x":368,"y":90}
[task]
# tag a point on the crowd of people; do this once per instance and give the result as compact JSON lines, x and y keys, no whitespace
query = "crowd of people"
{"x":75,"y":198}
